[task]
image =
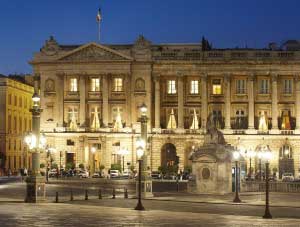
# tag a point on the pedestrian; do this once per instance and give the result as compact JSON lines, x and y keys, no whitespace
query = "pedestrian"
{"x":9,"y":172}
{"x":25,"y":171}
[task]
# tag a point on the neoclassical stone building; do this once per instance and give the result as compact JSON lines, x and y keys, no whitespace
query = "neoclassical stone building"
{"x":91,"y":95}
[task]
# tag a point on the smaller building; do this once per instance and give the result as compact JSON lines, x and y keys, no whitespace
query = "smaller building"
{"x":15,"y":121}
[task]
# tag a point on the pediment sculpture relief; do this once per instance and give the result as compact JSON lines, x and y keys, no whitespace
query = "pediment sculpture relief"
{"x":91,"y":53}
{"x":51,"y":47}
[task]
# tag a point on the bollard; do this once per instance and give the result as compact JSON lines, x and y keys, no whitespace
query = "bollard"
{"x":113,"y":193}
{"x":56,"y":197}
{"x":86,"y":195}
{"x":125,"y":193}
{"x":99,"y":194}
{"x":71,"y":198}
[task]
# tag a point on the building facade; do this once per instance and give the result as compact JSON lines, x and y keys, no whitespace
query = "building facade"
{"x":91,"y":96}
{"x":15,"y":121}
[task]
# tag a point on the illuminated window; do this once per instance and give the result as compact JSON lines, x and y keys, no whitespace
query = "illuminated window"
{"x":241,"y":86}
{"x":194,"y":87}
{"x":287,"y":86}
{"x":118,"y":84}
{"x":73,"y":84}
{"x":95,"y":83}
{"x":171,"y":87}
{"x":217,"y":87}
{"x":264,"y":86}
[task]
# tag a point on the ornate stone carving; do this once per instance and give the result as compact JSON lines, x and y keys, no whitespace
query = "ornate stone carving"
{"x":213,"y":136}
{"x":139,"y":84}
{"x":93,"y":53}
{"x":51,"y":47}
{"x":142,"y":43}
{"x":50,"y":85}
{"x":251,"y":77}
{"x":274,"y":77}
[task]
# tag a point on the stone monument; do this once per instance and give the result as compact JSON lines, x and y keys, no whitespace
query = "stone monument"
{"x":211,"y":163}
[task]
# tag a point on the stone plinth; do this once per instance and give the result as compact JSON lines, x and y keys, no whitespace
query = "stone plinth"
{"x":211,"y":169}
{"x":35,"y":189}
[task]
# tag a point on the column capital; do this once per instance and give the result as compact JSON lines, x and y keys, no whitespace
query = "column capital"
{"x":204,"y":76}
{"x":297,"y":77}
{"x":227,"y":77}
{"x":274,"y":76}
{"x":156,"y":77}
{"x":251,"y":77}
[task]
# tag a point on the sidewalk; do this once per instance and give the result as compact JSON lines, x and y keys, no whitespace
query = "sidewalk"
{"x":249,"y":198}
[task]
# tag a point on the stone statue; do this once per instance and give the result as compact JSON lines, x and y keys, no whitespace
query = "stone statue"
{"x":213,"y":135}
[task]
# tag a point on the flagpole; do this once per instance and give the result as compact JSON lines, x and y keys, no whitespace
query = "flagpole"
{"x":99,"y":31}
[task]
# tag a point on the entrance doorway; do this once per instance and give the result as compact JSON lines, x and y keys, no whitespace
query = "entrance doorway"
{"x":168,"y":155}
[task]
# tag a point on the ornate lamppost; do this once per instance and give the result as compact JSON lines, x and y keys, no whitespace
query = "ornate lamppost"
{"x":251,"y":154}
{"x":147,"y":183}
{"x":236,"y":157}
{"x":140,"y":147}
{"x":267,"y":155}
{"x":35,"y":183}
{"x":93,"y":151}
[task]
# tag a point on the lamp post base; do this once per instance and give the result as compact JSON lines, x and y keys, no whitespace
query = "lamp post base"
{"x":267,"y":215}
{"x":237,"y":200}
{"x":35,"y":189}
{"x":139,"y":206}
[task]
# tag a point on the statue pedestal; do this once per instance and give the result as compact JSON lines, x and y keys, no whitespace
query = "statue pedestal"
{"x":211,"y":170}
{"x":35,"y":189}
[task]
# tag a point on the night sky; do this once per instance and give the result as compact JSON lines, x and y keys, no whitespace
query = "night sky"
{"x":25,"y":25}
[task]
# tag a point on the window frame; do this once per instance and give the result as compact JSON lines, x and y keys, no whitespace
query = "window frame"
{"x":94,"y":82}
{"x":171,"y":87}
{"x":73,"y":88}
{"x":118,"y":87}
{"x":194,"y":87}
{"x":216,"y":87}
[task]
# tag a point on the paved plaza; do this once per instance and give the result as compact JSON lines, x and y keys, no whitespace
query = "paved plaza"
{"x":165,"y":209}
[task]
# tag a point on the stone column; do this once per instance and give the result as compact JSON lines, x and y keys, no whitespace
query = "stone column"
{"x":157,"y":102}
{"x":203,"y":101}
{"x":297,"y":104}
{"x":251,"y":102}
{"x":104,"y":100}
{"x":60,"y":90}
{"x":180,"y":102}
{"x":227,"y":102}
{"x":82,"y":92}
{"x":274,"y":102}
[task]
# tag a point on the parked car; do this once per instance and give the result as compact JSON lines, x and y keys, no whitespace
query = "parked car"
{"x":52,"y":173}
{"x":156,"y":175}
{"x":114,"y":173}
{"x":126,"y":173}
{"x":287,"y":177}
{"x":83,"y":174}
{"x":96,"y":175}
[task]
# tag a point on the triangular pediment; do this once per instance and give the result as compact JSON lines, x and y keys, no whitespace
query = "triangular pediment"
{"x":94,"y":52}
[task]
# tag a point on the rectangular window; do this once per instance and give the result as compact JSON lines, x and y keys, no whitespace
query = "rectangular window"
{"x":118,"y":84}
{"x":216,"y":87}
{"x":240,"y":86}
{"x":73,"y":84}
{"x":172,"y":87}
{"x":16,"y":100}
{"x":25,"y":102}
{"x":95,"y":84}
{"x":9,"y":123}
{"x":264,"y":86}
{"x":287,"y":86}
{"x":194,"y":87}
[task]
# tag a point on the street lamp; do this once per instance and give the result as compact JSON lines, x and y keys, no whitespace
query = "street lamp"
{"x":35,"y":183}
{"x":123,"y":152}
{"x":236,"y":157}
{"x":93,"y":151}
{"x":140,"y":147}
{"x":251,"y":154}
{"x":267,"y":155}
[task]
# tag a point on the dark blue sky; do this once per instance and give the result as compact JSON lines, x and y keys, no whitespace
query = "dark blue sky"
{"x":226,"y":23}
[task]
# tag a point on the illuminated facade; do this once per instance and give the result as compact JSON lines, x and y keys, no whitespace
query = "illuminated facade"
{"x":15,"y":120}
{"x":91,"y":96}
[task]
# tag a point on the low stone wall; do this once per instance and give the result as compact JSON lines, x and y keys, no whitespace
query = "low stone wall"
{"x":255,"y":186}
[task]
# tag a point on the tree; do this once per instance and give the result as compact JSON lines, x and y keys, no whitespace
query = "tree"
{"x":116,"y":167}
{"x":81,"y":166}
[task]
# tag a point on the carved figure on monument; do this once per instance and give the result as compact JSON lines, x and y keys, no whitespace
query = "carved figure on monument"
{"x":213,"y":135}
{"x":140,"y":84}
{"x":49,"y":85}
{"x":51,"y":47}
